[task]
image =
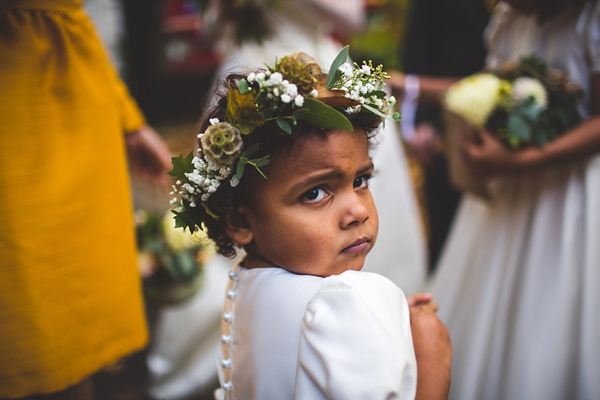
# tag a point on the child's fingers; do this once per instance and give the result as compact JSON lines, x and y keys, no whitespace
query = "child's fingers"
{"x":419,"y":298}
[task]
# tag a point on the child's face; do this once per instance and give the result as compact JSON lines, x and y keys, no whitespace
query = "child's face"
{"x":314,"y":214}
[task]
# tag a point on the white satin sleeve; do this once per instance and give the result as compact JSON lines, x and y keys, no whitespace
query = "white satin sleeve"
{"x":356,"y":342}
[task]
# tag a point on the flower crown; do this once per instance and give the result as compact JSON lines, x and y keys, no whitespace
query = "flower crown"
{"x":294,"y":89}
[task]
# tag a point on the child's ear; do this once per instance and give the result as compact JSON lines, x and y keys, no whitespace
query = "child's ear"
{"x":238,"y":229}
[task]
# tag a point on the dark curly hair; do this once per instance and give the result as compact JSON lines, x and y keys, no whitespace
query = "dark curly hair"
{"x":274,"y":142}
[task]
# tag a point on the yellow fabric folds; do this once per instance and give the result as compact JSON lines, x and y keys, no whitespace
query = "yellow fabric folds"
{"x":70,"y":300}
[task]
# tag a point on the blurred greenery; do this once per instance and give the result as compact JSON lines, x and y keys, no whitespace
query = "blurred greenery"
{"x":387,"y":22}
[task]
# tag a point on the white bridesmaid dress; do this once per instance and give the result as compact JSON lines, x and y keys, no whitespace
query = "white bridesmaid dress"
{"x":518,"y":284}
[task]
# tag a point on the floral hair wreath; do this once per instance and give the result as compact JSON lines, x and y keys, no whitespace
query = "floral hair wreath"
{"x":294,"y":89}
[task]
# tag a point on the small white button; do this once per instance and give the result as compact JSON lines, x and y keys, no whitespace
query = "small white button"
{"x":231,"y":294}
{"x":227,"y":386}
{"x":228,"y":317}
{"x":226,"y":363}
{"x":233,"y":275}
{"x":226,"y":339}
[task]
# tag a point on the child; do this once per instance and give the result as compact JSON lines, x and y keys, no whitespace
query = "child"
{"x":518,"y":280}
{"x":286,"y":178}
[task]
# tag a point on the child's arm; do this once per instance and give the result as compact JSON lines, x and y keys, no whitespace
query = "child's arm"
{"x":433,"y":350}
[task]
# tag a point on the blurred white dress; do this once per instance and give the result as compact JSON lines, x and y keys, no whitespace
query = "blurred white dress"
{"x":182,"y":357}
{"x":289,"y":336}
{"x":519,"y":281}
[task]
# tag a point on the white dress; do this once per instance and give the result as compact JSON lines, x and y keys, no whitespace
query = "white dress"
{"x":289,"y":336}
{"x":518,"y":284}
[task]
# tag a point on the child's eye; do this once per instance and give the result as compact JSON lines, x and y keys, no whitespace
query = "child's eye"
{"x":314,"y":195}
{"x":361,"y":181}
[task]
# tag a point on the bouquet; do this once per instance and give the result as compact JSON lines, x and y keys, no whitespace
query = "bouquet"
{"x":170,"y":260}
{"x":522,"y":104}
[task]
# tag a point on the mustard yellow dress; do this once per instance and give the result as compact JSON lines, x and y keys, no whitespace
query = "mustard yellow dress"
{"x":70,"y":300}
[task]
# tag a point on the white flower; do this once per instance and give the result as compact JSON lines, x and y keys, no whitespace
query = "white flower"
{"x":285,"y":83}
{"x":189,"y":188}
{"x":205,"y":197}
{"x":276,"y":92}
{"x":213,"y":121}
{"x":200,"y":135}
{"x":251,"y":77}
{"x":366,"y":70}
{"x":286,"y":98}
{"x":391,"y":100}
{"x":299,"y":100}
{"x":234,"y":181}
{"x":174,"y":201}
{"x":314,"y":93}
{"x":346,"y":69}
{"x":192,"y":204}
{"x":525,"y":87}
{"x":276,"y":78}
{"x":292,"y":90}
{"x":475,"y":97}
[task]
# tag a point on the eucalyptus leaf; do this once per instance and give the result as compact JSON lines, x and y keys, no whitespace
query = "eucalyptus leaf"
{"x":334,"y":71}
{"x":322,"y":115}
{"x":251,"y":150}
{"x":239,"y":169}
{"x":396,"y":116}
{"x":260,"y":162}
{"x":284,"y":125}
{"x":518,"y":127}
{"x":243,"y":86}
{"x":377,"y":93}
{"x":374,"y":110}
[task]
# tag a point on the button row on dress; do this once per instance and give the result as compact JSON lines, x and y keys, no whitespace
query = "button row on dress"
{"x":233,"y":275}
{"x":226,"y":362}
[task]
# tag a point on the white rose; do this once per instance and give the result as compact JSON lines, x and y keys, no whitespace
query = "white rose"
{"x":525,"y":87}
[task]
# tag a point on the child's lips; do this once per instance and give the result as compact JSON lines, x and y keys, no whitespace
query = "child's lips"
{"x":359,"y":245}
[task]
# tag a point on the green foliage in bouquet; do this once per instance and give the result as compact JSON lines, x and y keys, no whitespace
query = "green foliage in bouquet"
{"x":170,"y":260}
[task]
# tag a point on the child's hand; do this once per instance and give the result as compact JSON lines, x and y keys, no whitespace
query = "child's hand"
{"x":433,"y":350}
{"x":419,"y":299}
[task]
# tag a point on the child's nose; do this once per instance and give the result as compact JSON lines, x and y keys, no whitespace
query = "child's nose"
{"x":355,"y":210}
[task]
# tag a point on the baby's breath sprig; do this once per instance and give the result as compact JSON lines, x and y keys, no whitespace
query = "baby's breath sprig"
{"x":365,"y":84}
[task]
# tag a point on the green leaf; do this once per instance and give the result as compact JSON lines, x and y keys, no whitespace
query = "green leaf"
{"x":243,"y":86}
{"x":322,"y":115}
{"x":518,"y":127}
{"x":377,"y":93}
{"x":284,"y":125}
{"x":374,"y":110}
{"x":260,"y":162}
{"x":251,"y":150}
{"x":183,"y":220}
{"x":334,"y":71}
{"x":396,"y":116}
{"x":181,"y":165}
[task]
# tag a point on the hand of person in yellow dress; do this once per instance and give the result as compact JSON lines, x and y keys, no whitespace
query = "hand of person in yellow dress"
{"x":148,"y":154}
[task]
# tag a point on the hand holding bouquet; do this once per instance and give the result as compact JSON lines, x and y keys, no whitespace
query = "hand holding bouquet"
{"x":521,"y":104}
